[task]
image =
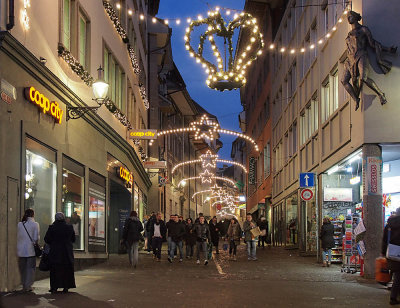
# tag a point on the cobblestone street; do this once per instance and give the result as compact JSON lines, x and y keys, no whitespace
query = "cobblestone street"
{"x":277,"y":279}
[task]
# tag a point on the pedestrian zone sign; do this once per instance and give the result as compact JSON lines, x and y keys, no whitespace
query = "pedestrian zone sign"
{"x":307,"y":179}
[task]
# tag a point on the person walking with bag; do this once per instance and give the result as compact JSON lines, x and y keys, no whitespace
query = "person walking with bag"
{"x":250,"y":239}
{"x":391,"y":235}
{"x":131,"y":236}
{"x":233,"y":235}
{"x":61,"y":236}
{"x":27,"y":235}
{"x":327,"y":241}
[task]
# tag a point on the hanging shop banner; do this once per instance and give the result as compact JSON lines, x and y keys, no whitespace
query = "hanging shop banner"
{"x":373,"y":174}
{"x":156,"y":164}
{"x":52,"y":108}
{"x":252,"y":171}
{"x":338,"y":194}
{"x":143,"y":134}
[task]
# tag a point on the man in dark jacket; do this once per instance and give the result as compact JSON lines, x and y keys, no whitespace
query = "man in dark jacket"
{"x":391,"y":234}
{"x":60,"y":237}
{"x":148,"y":224}
{"x":202,"y":232}
{"x":158,"y":233}
{"x":131,"y":236}
{"x":214,"y":232}
{"x":327,"y":240}
{"x":176,"y":231}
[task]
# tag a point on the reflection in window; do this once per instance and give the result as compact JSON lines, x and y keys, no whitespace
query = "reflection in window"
{"x":73,"y":205}
{"x":40,"y":188}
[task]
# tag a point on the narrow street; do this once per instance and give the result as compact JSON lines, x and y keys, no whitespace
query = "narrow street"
{"x":277,"y":279}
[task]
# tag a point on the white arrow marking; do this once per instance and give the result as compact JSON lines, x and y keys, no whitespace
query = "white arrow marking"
{"x":306,"y":177}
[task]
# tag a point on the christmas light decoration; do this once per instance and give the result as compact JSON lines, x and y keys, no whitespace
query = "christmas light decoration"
{"x":231,"y":74}
{"x":206,"y":176}
{"x":134,"y":61}
{"x":200,"y":192}
{"x":212,"y":177}
{"x":142,"y":90}
{"x":75,"y":65}
{"x":117,"y":113}
{"x":205,"y":128}
{"x":208,"y":160}
{"x":115,"y":20}
{"x":24,"y":15}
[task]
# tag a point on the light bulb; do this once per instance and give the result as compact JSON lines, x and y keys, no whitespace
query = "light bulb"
{"x":228,"y":12}
{"x":253,"y":39}
{"x":166,"y":21}
{"x":141,"y":16}
{"x":178,"y":21}
{"x":118,"y":5}
{"x":154,"y":19}
{"x":130,"y":12}
{"x":272,"y":46}
{"x":189,"y":20}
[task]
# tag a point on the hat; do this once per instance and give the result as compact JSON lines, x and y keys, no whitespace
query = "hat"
{"x":59,"y":216}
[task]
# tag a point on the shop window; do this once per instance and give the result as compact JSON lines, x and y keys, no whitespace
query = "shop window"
{"x":97,"y":217}
{"x":40,"y":183}
{"x":291,"y":220}
{"x":115,"y":77}
{"x":73,"y":198}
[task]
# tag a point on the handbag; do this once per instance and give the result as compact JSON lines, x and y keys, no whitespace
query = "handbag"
{"x":44,"y":264}
{"x":255,"y":231}
{"x":38,"y":250}
{"x":392,"y":250}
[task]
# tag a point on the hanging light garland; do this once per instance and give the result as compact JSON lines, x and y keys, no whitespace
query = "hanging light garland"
{"x":115,"y":20}
{"x":231,"y":74}
{"x":212,"y":177}
{"x":134,"y":60}
{"x":117,"y":113}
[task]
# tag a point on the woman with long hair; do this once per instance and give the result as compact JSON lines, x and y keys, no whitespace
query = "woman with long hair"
{"x":233,"y":235}
{"x":327,"y":241}
{"x":27,"y":235}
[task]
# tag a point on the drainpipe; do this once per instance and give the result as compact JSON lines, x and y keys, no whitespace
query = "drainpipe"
{"x":11,"y":17}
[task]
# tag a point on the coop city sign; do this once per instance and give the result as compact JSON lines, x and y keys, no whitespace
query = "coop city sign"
{"x":51,"y":108}
{"x":124,"y":174}
{"x":143,"y":134}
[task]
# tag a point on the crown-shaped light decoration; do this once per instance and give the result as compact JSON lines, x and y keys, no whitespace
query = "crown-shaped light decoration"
{"x":228,"y":74}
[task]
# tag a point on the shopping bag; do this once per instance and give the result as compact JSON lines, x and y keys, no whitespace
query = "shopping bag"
{"x":382,"y":274}
{"x":392,"y":250}
{"x":255,"y":232}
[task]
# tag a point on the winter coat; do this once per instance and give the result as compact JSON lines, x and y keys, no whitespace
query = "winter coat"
{"x":132,"y":229}
{"x":149,"y":223}
{"x":263,"y":224}
{"x":234,"y":232}
{"x":176,"y":231}
{"x":24,"y":243}
{"x":394,"y":225}
{"x":248,"y":236}
{"x":190,"y":236}
{"x":214,"y":233}
{"x":202,"y":232}
{"x":326,"y":236}
{"x":163,"y":228}
{"x":60,"y":237}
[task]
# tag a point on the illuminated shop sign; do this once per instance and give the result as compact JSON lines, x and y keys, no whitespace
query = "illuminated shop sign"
{"x":51,"y":108}
{"x":143,"y":134}
{"x":124,"y":174}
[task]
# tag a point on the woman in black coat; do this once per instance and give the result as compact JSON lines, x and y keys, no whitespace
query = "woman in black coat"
{"x":214,"y":232}
{"x":60,"y":237}
{"x":327,"y":240}
{"x":190,"y":238}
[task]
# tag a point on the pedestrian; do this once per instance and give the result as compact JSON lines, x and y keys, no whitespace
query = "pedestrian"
{"x":158,"y":232}
{"x":198,"y":219}
{"x":171,"y":220}
{"x":131,"y":236}
{"x":176,"y":231}
{"x":263,"y":224}
{"x":233,"y":236}
{"x":214,"y":232}
{"x":60,"y":236}
{"x":190,"y":238}
{"x":150,"y":221}
{"x":27,"y":234}
{"x":181,"y":219}
{"x":327,"y":241}
{"x":202,"y":236}
{"x":391,"y":235}
{"x":250,"y":239}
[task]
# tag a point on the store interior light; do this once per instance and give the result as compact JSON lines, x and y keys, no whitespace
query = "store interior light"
{"x":386,"y":168}
{"x":38,"y":161}
{"x":355,"y":180}
{"x":354,"y":158}
{"x":65,"y":174}
{"x":242,"y":198}
{"x":26,"y":196}
{"x":333,"y":170}
{"x":28,"y":177}
{"x":349,"y":169}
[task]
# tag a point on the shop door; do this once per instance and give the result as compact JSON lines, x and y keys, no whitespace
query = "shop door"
{"x":120,"y":207}
{"x":12,"y":221}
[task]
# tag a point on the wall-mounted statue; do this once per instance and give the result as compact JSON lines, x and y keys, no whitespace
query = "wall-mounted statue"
{"x":356,"y":66}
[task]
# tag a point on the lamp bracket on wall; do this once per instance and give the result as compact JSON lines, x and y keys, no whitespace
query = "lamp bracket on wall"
{"x":74,"y":113}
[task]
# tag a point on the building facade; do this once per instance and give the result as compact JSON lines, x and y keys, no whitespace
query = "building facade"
{"x":56,"y":158}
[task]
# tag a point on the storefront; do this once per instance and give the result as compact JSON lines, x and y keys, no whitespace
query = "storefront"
{"x":51,"y":165}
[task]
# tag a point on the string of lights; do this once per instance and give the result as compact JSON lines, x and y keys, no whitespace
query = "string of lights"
{"x":201,"y":161}
{"x":200,"y":192}
{"x":212,"y":177}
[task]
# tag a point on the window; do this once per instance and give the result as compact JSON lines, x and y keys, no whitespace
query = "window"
{"x":40,"y":183}
{"x":97,"y":217}
{"x":326,"y":19}
{"x":309,"y":120}
{"x":267,"y":160}
{"x":313,"y":38}
{"x":294,"y":138}
{"x":115,"y":76}
{"x":330,"y":95}
{"x":66,"y":26}
{"x":83,"y":38}
{"x":73,"y":199}
{"x":325,"y":101}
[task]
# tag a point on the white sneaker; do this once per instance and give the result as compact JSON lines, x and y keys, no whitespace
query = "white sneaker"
{"x":180,"y":260}
{"x":205,"y":262}
{"x":198,"y":262}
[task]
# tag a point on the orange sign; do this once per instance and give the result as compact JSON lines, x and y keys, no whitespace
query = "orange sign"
{"x":51,"y":108}
{"x":125,"y":175}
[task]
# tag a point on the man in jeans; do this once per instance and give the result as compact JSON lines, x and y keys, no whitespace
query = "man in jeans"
{"x":158,"y":231}
{"x":249,"y":238}
{"x":202,"y":232}
{"x":176,"y":231}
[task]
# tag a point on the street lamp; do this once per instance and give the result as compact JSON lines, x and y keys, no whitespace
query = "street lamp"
{"x":100,"y":90}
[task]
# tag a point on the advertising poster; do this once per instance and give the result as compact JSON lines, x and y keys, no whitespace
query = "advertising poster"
{"x":338,"y":194}
{"x":373,"y":173}
{"x":97,"y":217}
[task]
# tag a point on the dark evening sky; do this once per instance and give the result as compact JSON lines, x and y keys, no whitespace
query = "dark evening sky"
{"x":225,"y":105}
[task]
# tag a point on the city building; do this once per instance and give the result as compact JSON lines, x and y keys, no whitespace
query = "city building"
{"x":351,"y":154}
{"x":55,"y":153}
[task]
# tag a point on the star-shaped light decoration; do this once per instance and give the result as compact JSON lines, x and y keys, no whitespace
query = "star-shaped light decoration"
{"x":205,"y":128}
{"x":208,"y":160}
{"x":215,"y":190}
{"x":206,"y":176}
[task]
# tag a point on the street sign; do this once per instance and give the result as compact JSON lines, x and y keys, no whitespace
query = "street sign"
{"x":306,"y":194}
{"x":307,"y":179}
{"x":155,"y":164}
